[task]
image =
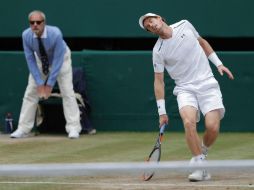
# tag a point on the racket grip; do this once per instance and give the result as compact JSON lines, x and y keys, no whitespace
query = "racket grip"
{"x":162,"y":128}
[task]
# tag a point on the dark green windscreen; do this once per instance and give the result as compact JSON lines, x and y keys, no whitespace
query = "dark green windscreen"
{"x":118,"y":18}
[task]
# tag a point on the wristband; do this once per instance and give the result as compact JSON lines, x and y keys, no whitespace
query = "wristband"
{"x":214,"y":59}
{"x":161,"y":107}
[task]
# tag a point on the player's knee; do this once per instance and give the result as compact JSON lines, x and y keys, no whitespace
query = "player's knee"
{"x":213,"y":127}
{"x":189,"y":125}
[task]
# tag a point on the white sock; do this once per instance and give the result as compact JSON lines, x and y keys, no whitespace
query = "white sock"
{"x":200,"y":157}
{"x":204,"y":149}
{"x":196,"y":160}
{"x":203,"y":145}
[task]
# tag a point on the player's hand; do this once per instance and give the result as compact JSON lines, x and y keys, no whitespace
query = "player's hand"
{"x":48,"y":90}
{"x":163,"y":119}
{"x":41,"y":91}
{"x":222,"y":69}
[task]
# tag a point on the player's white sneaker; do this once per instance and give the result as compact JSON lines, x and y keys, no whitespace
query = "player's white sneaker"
{"x":199,"y":175}
{"x":19,"y":134}
{"x":73,"y":134}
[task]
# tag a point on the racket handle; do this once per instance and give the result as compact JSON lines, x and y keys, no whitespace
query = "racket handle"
{"x":162,"y":128}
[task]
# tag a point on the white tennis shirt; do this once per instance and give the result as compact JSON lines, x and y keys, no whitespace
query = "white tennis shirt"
{"x":181,"y":55}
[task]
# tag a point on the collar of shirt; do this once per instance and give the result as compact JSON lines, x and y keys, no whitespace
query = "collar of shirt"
{"x":44,"y":34}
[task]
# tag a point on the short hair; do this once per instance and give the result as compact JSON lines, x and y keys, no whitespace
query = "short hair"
{"x":163,"y":19}
{"x":37,"y":11}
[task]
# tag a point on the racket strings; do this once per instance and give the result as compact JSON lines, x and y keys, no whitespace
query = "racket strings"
{"x":153,"y":159}
{"x":155,"y":156}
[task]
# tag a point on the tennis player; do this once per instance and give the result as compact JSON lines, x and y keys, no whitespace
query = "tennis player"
{"x":185,"y":54}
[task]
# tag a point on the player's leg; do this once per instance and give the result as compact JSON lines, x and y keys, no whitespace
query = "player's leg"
{"x":28,"y":110}
{"x":212,"y":124}
{"x":211,"y":105}
{"x":188,"y":106}
{"x":188,"y":109}
{"x":189,"y":118}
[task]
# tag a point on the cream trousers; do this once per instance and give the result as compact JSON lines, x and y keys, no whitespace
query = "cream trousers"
{"x":70,"y":106}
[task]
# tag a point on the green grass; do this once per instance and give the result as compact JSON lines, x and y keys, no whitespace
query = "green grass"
{"x":116,"y":147}
{"x":108,"y":147}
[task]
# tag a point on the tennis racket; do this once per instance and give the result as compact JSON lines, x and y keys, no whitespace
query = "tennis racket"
{"x":155,"y":155}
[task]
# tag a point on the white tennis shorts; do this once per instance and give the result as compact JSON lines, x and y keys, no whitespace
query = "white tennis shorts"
{"x":204,"y":95}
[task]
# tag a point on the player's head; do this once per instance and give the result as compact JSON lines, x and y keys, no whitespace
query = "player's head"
{"x":37,"y":20}
{"x":151,"y":22}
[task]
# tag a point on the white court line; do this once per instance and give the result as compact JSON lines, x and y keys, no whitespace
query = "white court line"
{"x":129,"y":184}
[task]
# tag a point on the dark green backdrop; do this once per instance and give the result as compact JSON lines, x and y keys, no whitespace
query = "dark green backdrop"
{"x":119,"y":18}
{"x":120,"y":87}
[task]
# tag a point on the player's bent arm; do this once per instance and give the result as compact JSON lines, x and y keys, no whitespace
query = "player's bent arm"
{"x":205,"y":46}
{"x":212,"y":56}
